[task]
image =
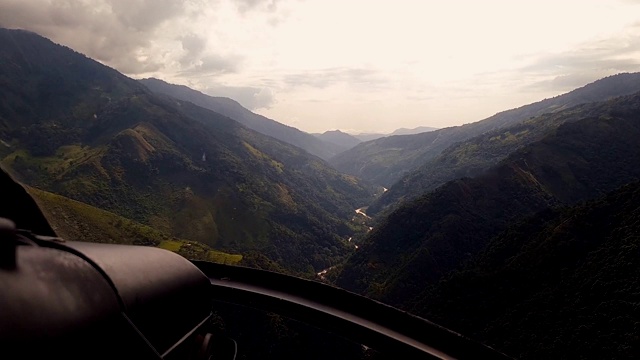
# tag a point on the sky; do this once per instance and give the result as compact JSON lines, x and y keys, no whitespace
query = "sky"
{"x":353,"y":65}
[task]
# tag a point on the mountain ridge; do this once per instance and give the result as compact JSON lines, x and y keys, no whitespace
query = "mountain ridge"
{"x":477,"y":154}
{"x":386,"y":160}
{"x":401,"y":131}
{"x":424,"y":239}
{"x":340,"y":139}
{"x":233,"y":109}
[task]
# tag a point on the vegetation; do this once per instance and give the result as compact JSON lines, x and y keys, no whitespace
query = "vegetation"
{"x":562,"y":284}
{"x":426,"y":239}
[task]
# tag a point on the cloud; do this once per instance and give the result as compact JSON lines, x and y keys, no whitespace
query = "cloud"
{"x":263,"y":99}
{"x":194,"y":45}
{"x":118,"y":32}
{"x":359,"y":77}
{"x":144,"y":15}
{"x":275,"y":14}
{"x":253,"y":98}
{"x":591,"y":61}
{"x":249,"y":5}
{"x":213,"y":65}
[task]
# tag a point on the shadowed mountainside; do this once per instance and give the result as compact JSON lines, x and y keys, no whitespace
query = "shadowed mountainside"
{"x":235,"y":111}
{"x":563,"y":284}
{"x":425,"y":239}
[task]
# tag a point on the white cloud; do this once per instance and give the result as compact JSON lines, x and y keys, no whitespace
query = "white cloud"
{"x":252,"y":98}
{"x":248,"y":5}
{"x":120,"y":33}
{"x":193,"y":45}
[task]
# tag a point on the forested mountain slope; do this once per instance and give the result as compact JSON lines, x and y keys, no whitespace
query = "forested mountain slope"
{"x":425,"y":239}
{"x":72,"y":126}
{"x":387,"y":160}
{"x":473,"y":156}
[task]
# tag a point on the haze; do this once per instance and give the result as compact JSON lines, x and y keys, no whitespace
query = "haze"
{"x":358,"y":66}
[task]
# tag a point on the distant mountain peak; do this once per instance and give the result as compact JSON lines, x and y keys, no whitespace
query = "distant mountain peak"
{"x":337,"y":131}
{"x":416,"y":130}
{"x":365,"y":136}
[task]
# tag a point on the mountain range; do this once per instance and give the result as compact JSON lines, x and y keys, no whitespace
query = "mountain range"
{"x":341,"y":140}
{"x":476,"y":155}
{"x":411,"y":258}
{"x":387,"y":160}
{"x":400,"y":131}
{"x":76,"y":128}
{"x":439,"y":230}
{"x":345,"y":141}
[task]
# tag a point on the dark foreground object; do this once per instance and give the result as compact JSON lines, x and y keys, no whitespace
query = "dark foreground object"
{"x":85,"y":300}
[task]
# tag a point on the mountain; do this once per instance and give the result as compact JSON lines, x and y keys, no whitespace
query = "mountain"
{"x":473,"y":156}
{"x":368,"y":136}
{"x":340,"y":139}
{"x":418,"y":130}
{"x":563,"y":284}
{"x":385,"y":161}
{"x":401,"y":131}
{"x":424,"y":240}
{"x":235,"y":111}
{"x":76,"y":128}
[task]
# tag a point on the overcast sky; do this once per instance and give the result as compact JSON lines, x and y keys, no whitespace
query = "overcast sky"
{"x":355,"y":65}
